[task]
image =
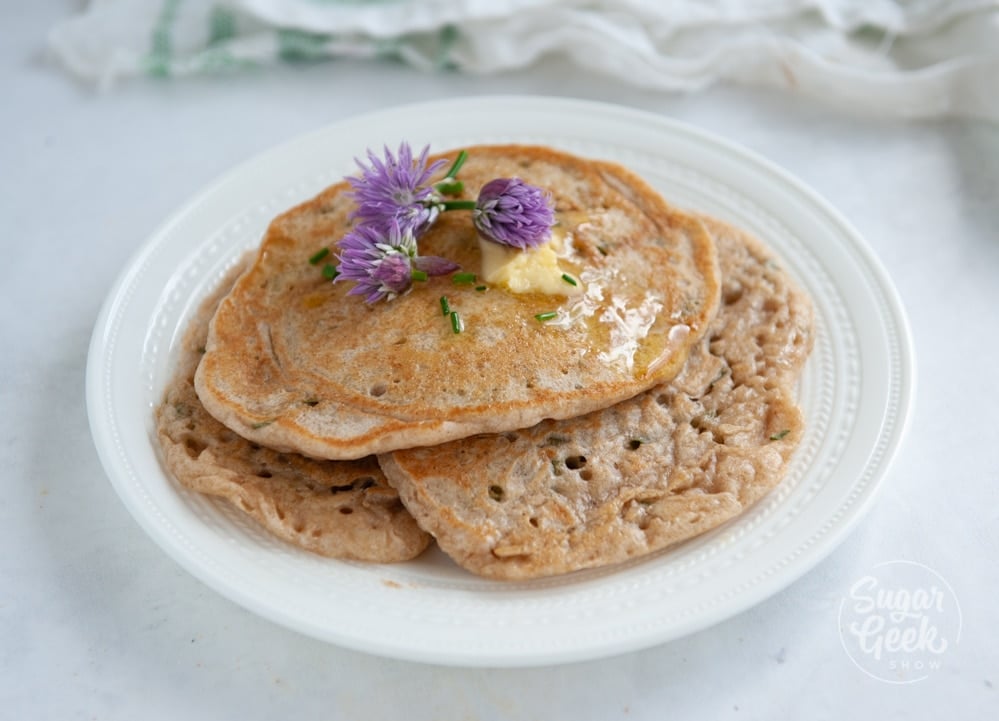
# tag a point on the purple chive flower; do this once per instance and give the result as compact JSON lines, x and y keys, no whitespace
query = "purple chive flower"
{"x":382,"y":263}
{"x":511,"y":212}
{"x":396,"y":189}
{"x":434,"y":264}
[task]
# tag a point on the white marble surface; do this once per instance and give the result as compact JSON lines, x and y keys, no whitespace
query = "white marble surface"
{"x":97,"y":623}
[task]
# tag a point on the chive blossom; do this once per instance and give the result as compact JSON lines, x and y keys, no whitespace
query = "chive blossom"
{"x":514,"y":213}
{"x":396,"y":189}
{"x":381,"y":264}
{"x":318,"y":256}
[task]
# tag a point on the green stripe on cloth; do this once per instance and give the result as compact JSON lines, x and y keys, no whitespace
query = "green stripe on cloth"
{"x":447,"y":37}
{"x":157,"y":62}
{"x":355,"y":2}
{"x":298,"y":45}
{"x":221,"y":25}
{"x":220,"y":59}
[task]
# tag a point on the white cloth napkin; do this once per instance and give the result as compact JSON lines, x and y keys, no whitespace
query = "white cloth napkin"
{"x":901,"y":57}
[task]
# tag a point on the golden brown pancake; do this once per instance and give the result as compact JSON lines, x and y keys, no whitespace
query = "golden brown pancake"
{"x":295,"y":364}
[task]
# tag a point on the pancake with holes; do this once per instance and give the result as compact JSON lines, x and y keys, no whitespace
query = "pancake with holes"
{"x":340,"y":509}
{"x":295,"y":364}
{"x":641,"y":475}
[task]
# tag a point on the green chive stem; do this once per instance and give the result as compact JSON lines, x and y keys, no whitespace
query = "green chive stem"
{"x":450,"y":187}
{"x":569,"y":279}
{"x":463,"y":278}
{"x":420,"y":275}
{"x":481,"y":288}
{"x":318,"y":256}
{"x":456,"y":324}
{"x":458,"y":205}
{"x":547,"y":316}
{"x":445,"y":306}
{"x":456,"y":166}
{"x":330,"y":272}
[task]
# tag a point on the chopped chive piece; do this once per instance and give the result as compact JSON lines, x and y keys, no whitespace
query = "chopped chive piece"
{"x":480,"y":288}
{"x":569,"y":279}
{"x":602,"y":249}
{"x":318,"y":256}
{"x":459,"y":205}
{"x":463,"y":278}
{"x":452,"y":173}
{"x":330,"y":272}
{"x":778,"y":436}
{"x":261,"y":424}
{"x":445,"y":306}
{"x":547,"y":316}
{"x":456,"y":324}
{"x":450,"y":186}
{"x":419,"y":275}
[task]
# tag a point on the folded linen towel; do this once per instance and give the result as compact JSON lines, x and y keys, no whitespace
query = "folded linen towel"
{"x":894,"y":57}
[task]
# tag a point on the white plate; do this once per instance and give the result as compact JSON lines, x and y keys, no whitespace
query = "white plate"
{"x":856,"y":394}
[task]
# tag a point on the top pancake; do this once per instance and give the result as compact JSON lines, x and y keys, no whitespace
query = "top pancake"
{"x":293,"y":363}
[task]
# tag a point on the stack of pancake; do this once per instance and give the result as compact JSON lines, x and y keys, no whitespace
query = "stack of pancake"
{"x":651,"y":402}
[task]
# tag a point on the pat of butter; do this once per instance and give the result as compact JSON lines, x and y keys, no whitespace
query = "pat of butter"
{"x":535,"y":270}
